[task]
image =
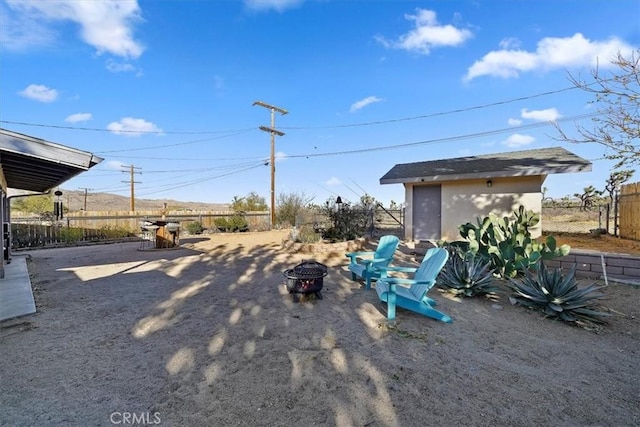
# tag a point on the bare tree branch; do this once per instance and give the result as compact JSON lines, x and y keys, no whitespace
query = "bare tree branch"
{"x":617,"y":127}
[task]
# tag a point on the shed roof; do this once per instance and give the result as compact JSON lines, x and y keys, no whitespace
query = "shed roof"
{"x":544,"y":161}
{"x":34,"y":164}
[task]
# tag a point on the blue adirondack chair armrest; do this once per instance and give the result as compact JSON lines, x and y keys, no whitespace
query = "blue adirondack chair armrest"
{"x":392,"y":281}
{"x":384,"y":270}
{"x":370,"y":264}
{"x":355,"y":255}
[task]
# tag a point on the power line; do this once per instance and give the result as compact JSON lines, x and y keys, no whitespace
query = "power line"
{"x":236,"y":168}
{"x":177,"y":144}
{"x":445,"y":139}
{"x":436,"y":114}
{"x":389,"y":147}
{"x":440,"y":113}
{"x":250,"y":166}
{"x":137,"y":132}
{"x":185,"y":184}
{"x":358,"y":185}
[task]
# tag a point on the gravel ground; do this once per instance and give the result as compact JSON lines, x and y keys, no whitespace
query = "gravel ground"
{"x":206,"y":334}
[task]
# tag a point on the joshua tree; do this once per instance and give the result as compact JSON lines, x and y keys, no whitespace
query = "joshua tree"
{"x":588,"y":197}
{"x":616,"y":179}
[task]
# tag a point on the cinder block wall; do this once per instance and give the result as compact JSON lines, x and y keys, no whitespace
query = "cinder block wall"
{"x":589,"y":264}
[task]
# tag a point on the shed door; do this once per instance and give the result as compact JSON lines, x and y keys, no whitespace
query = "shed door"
{"x":426,"y":212}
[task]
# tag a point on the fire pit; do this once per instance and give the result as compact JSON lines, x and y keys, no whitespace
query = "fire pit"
{"x":305,"y":278}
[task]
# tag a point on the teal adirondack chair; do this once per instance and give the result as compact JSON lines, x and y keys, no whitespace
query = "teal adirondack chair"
{"x":411,"y":294}
{"x":365,"y":264}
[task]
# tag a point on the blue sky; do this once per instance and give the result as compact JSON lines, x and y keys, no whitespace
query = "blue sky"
{"x":168,"y":87}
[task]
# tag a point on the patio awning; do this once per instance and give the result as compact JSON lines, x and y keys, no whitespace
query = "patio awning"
{"x":33,"y":164}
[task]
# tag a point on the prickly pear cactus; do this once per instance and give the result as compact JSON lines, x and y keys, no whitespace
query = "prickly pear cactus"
{"x":508,"y":244}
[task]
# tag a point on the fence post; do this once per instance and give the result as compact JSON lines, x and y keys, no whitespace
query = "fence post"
{"x":600,"y":217}
{"x":615,"y":213}
{"x":608,"y":213}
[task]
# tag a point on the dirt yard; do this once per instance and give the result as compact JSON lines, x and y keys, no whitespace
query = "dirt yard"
{"x":207,"y":334}
{"x":599,"y":242}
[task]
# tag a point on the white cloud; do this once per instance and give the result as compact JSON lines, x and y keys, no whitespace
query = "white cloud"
{"x":19,"y":32}
{"x":510,"y":43}
{"x":106,"y":25}
{"x":363,"y":103}
{"x":333,"y":181}
{"x":548,"y":115}
{"x":551,"y":53}
{"x":130,"y":126}
{"x":278,"y":5}
{"x":40,"y":93}
{"x":280,"y":156}
{"x":78,"y":117}
{"x":514,"y":122}
{"x":427,"y":34}
{"x":122,"y":67}
{"x":114,"y":165}
{"x":518,"y":140}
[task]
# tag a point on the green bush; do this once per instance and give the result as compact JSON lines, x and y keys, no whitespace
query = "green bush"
{"x":114,"y":232}
{"x":558,"y":296}
{"x":347,"y":222}
{"x":194,"y":227}
{"x":250,"y":203}
{"x":292,"y":207}
{"x":235,"y":223}
{"x":306,"y":234}
{"x":71,"y":235}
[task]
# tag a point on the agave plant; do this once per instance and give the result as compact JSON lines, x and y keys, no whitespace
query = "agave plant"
{"x":467,"y":274}
{"x":558,"y":296}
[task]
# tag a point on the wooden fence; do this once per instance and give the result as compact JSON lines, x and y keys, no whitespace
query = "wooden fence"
{"x":629,"y":206}
{"x":257,"y":221}
{"x":87,"y":226}
{"x":91,"y":226}
{"x":31,"y":234}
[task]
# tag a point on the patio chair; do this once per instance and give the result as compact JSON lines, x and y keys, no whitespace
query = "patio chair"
{"x":365,"y":264}
{"x":411,"y":294}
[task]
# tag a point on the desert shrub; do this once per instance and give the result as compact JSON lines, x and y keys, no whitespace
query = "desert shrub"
{"x":466,"y":274}
{"x":558,"y":296}
{"x":306,"y":234}
{"x":347,"y":222}
{"x":194,"y":227}
{"x":71,"y":235}
{"x":250,"y":203}
{"x":113,"y":232}
{"x":290,"y":207}
{"x":234,"y":223}
{"x":238,"y":223}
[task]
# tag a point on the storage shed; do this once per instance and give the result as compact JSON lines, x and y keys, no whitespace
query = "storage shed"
{"x":442,"y":194}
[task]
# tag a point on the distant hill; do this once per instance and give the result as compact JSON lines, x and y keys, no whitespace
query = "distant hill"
{"x":74,"y":200}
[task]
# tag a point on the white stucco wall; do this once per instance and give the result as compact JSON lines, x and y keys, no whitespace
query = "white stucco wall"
{"x":463,"y":201}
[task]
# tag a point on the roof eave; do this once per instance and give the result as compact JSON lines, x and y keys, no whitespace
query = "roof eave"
{"x":528,"y":171}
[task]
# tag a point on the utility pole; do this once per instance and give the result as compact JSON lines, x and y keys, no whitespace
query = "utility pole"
{"x":85,"y":197}
{"x":132,"y":182}
{"x":273,"y":131}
